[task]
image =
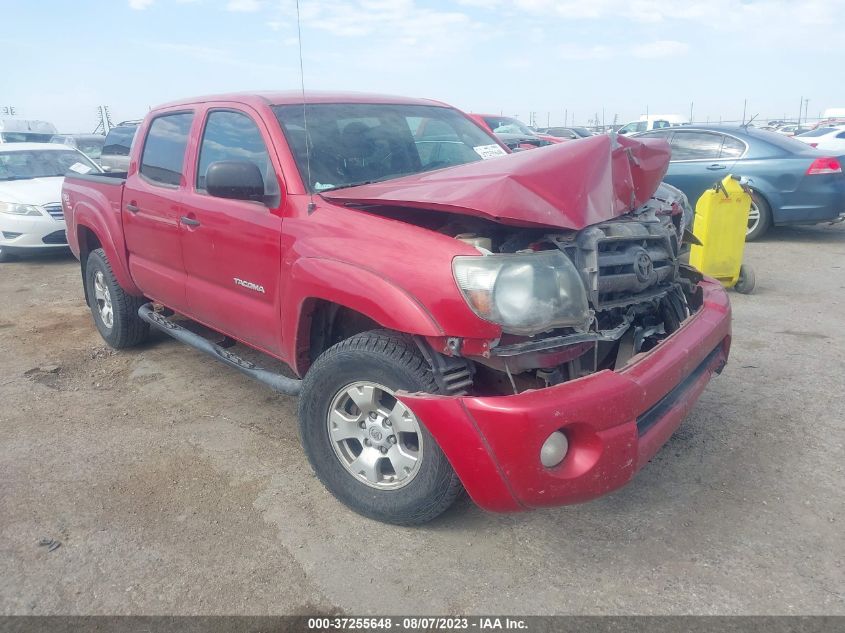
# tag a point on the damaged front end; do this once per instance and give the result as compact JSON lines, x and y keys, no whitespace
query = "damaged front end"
{"x":572,"y":303}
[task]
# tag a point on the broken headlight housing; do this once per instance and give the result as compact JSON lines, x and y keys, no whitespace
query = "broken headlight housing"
{"x":525,"y":293}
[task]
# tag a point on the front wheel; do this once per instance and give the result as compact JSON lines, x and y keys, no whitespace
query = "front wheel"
{"x":115,"y":312}
{"x":368,"y":448}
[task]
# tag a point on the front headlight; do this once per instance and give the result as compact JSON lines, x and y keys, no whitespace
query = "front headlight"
{"x":19,"y":209}
{"x":524,"y":293}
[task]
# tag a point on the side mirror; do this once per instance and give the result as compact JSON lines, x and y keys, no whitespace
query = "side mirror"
{"x":235,"y":179}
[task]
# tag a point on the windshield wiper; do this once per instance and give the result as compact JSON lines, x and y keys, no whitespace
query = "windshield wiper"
{"x":351,"y":184}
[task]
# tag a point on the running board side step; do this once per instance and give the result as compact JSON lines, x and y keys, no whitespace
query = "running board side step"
{"x":277,"y":382}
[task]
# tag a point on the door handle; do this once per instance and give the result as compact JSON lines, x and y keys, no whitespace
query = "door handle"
{"x":132,"y":208}
{"x":716,"y":166}
{"x":189,"y":221}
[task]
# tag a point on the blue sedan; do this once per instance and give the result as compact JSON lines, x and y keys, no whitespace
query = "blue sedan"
{"x":792,"y":183}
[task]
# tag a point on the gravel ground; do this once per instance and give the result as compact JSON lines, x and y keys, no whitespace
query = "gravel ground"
{"x":177,"y":486}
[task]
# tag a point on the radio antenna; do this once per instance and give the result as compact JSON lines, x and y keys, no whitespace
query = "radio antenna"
{"x":311,"y":205}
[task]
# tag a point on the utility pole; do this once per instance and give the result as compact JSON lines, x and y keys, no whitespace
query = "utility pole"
{"x":691,"y":103}
{"x":806,"y":109}
{"x":104,"y":124}
{"x":548,"y":119}
{"x":603,"y":128}
{"x":565,"y":118}
{"x":744,"y":106}
{"x":800,"y":109}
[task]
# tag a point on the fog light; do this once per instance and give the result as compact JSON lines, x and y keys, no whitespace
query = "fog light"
{"x":554,"y":449}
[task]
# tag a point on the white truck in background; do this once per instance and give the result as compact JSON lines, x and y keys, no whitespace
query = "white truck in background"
{"x":653,"y":122}
{"x":14,"y":130}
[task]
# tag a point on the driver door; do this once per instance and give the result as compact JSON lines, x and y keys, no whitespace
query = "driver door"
{"x":232,"y":248}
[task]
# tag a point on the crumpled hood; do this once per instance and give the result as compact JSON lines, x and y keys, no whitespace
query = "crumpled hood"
{"x":568,"y":185}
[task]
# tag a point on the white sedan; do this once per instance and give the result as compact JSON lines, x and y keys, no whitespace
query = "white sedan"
{"x":829,"y":139}
{"x":31,"y":176}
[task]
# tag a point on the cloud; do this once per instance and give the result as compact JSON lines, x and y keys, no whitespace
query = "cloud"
{"x":573,"y":52}
{"x":660,"y":48}
{"x":140,"y":5}
{"x":243,"y":6}
{"x":393,"y":28}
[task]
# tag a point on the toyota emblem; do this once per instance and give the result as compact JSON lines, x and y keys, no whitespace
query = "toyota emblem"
{"x":643,"y":267}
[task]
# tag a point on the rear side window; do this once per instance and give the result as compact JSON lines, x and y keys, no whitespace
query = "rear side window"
{"x":233,"y":136}
{"x":164,"y":150}
{"x":119,"y":140}
{"x":695,"y":145}
{"x":732,"y":147}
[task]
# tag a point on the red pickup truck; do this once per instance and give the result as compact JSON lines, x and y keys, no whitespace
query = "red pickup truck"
{"x":453,"y":316}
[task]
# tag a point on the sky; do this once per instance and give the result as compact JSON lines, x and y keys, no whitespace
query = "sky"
{"x":562,"y":60}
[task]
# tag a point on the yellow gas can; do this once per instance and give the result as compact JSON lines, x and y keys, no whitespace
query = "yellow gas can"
{"x":721,"y":220}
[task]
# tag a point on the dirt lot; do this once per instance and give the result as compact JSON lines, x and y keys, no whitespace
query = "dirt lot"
{"x":175,"y":485}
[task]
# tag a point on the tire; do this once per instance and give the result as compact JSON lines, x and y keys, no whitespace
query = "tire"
{"x":394,"y":489}
{"x":125,"y":328}
{"x":757,"y":229}
{"x":5,"y":256}
{"x":747,"y":280}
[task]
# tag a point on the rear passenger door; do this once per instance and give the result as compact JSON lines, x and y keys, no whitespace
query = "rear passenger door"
{"x":232,"y":248}
{"x":151,"y":210}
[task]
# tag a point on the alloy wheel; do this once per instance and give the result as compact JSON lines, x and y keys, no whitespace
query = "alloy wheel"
{"x":103,"y":298}
{"x":376,"y":438}
{"x":753,"y":218}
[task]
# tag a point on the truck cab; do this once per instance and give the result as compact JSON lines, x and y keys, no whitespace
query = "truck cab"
{"x":452,"y":316}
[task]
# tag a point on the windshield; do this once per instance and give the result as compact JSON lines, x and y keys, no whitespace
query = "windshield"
{"x":355,"y":143}
{"x":24,"y":165}
{"x":507,"y":125}
{"x":92,"y":149}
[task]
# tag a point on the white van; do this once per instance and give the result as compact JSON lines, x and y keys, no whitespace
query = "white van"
{"x":652,"y":122}
{"x":26,"y":131}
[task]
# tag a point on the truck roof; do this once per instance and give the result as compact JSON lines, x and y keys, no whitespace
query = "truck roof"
{"x":292,"y":97}
{"x":32,"y":126}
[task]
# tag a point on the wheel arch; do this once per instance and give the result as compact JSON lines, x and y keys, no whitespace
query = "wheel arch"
{"x":335,"y":299}
{"x":90,"y":234}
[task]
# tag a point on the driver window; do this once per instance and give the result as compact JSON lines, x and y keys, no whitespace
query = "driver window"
{"x":232,"y":135}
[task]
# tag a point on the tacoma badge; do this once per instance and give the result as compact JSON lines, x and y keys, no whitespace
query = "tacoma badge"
{"x":249,"y":285}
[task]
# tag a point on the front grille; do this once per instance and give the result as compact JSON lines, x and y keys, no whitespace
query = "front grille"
{"x":55,"y":210}
{"x":625,"y":263}
{"x":56,"y":237}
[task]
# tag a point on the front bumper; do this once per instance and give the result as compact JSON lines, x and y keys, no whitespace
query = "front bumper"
{"x":27,"y":233}
{"x":615,"y":420}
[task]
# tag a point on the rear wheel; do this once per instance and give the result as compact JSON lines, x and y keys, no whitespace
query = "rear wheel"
{"x":4,"y":255}
{"x":368,"y":448}
{"x":115,"y":312}
{"x":759,"y":218}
